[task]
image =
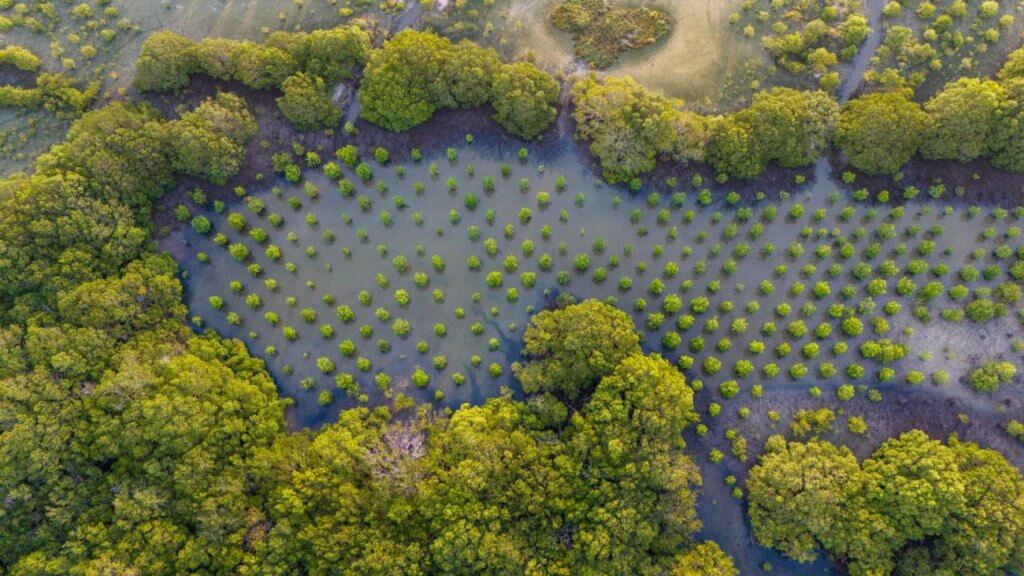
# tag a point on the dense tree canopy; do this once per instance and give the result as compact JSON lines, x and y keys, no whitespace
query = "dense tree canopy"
{"x":791,"y":127}
{"x":733,"y":147}
{"x":167,"y":60}
{"x":120,"y":150}
{"x":131,"y":445}
{"x":502,"y":488}
{"x":915,"y":506}
{"x":210,"y":141}
{"x":306,"y":103}
{"x":303,"y":64}
{"x":568,"y":350}
{"x":415,"y":74}
{"x":629,"y":127}
{"x":1006,"y":142}
{"x":523,"y":97}
{"x":881,"y":132}
{"x":402,"y":83}
{"x":704,"y":559}
{"x":964,"y":116}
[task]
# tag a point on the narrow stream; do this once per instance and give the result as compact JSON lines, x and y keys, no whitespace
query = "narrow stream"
{"x":853,"y":78}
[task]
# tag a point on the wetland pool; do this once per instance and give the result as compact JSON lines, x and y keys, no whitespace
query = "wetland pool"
{"x":427,"y":274}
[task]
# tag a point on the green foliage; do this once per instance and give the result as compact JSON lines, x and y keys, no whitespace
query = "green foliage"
{"x":167,"y":60}
{"x":19,"y":57}
{"x":629,"y":127}
{"x":964,"y":116}
{"x":132,"y":445}
{"x":210,"y":140}
{"x":1006,"y":144}
{"x":704,"y":559}
{"x":964,"y":501}
{"x":120,"y":151}
{"x":805,"y":37}
{"x":334,"y":54}
{"x":56,"y":93}
{"x":622,"y":451}
{"x":417,"y":73}
{"x":790,"y":127}
{"x":880,"y":132}
{"x":991,"y":375}
{"x":306,"y":103}
{"x":732,"y":147}
{"x":567,"y":350}
{"x":523,"y":97}
{"x":601,"y":31}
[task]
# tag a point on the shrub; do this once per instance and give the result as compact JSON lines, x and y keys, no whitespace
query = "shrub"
{"x":991,"y":375}
{"x":523,"y":97}
{"x":306,"y":103}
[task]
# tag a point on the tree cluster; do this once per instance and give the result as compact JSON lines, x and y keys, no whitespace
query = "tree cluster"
{"x":415,"y":74}
{"x":128,"y":444}
{"x":915,"y":506}
{"x":629,"y":128}
{"x":509,"y":487}
{"x":601,"y":31}
{"x":970,"y":118}
{"x":19,"y":57}
{"x":304,"y":65}
{"x":806,"y":37}
{"x":132,"y":446}
{"x":55,"y":93}
{"x":85,"y":212}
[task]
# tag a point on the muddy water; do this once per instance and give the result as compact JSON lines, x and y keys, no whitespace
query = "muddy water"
{"x":630,"y":231}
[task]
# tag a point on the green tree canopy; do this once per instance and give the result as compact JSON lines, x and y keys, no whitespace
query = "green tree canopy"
{"x":881,"y":132}
{"x":914,"y":504}
{"x":704,"y":559}
{"x":306,"y":103}
{"x":791,"y":127}
{"x":567,"y":351}
{"x":1006,"y":143}
{"x":627,"y":126}
{"x":964,"y":116}
{"x":210,"y":140}
{"x":523,"y":97}
{"x":401,"y":80}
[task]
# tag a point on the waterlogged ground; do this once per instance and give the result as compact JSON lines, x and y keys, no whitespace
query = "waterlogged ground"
{"x":441,"y":274}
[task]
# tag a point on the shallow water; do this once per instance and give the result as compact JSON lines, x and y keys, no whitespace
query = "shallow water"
{"x":592,"y":212}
